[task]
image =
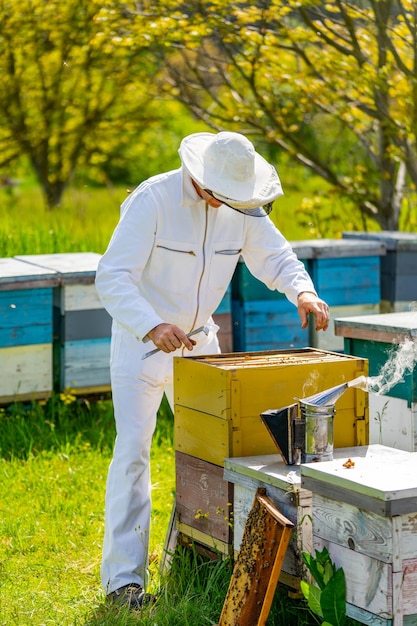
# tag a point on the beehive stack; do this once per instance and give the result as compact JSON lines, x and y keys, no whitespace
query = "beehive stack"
{"x":347,"y":275}
{"x":364,"y":513}
{"x":398,"y":268}
{"x":218,"y":402}
{"x":82,"y":327}
{"x":25,"y":331}
{"x":264,"y":319}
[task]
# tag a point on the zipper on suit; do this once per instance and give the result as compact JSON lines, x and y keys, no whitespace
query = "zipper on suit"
{"x":202,"y":271}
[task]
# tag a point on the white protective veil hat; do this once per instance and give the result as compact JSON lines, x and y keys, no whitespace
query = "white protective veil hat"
{"x":227,"y":166}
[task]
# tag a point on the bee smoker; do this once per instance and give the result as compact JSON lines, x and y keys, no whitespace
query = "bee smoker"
{"x":303,"y":431}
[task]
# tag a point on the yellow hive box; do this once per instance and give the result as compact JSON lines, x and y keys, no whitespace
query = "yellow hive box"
{"x":219,"y":399}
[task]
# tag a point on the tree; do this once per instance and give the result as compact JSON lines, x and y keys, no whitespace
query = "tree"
{"x":75,"y":86}
{"x":332,"y":84}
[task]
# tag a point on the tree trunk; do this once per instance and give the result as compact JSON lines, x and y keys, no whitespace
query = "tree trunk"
{"x":52,"y":193}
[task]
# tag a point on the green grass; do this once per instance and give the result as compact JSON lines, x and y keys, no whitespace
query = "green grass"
{"x":84,"y":223}
{"x":53,"y":469}
{"x":53,"y":466}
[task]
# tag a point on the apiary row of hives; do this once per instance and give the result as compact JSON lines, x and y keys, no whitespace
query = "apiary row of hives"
{"x":54,"y":332}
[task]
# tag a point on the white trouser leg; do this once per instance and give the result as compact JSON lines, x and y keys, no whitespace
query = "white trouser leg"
{"x":137,"y":389}
{"x":128,"y":496}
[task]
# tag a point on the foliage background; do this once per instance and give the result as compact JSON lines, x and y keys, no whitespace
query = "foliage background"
{"x":330,"y":86}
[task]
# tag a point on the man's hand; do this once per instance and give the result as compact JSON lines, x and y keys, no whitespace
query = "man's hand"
{"x":168,"y":337}
{"x":308,"y":303}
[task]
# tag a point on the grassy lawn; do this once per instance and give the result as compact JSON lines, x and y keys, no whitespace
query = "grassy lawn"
{"x":52,"y":480}
{"x":51,"y":531}
{"x":53,"y":469}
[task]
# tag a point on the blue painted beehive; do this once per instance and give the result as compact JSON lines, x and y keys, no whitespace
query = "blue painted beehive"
{"x":25,"y":331}
{"x":398,"y":268}
{"x":346,"y":275}
{"x":264,"y":319}
{"x":82,"y":327}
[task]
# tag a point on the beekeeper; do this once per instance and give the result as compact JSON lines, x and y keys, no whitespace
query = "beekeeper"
{"x":164,"y":273}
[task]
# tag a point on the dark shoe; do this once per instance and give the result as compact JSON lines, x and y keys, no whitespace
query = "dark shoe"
{"x":131,"y":595}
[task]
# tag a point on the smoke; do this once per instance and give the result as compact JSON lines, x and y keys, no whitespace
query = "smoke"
{"x":311,"y":384}
{"x":401,"y":360}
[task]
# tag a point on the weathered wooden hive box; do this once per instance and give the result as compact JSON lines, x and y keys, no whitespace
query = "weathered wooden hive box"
{"x":283,"y":485}
{"x":25,"y":331}
{"x":366,"y":517}
{"x":218,"y":402}
{"x":378,"y":338}
{"x":264,"y":319}
{"x":346,"y":274}
{"x":82,"y":327}
{"x":398,"y":268}
{"x":204,"y":504}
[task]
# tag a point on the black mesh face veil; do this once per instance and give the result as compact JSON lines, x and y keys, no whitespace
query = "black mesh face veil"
{"x":256,"y":212}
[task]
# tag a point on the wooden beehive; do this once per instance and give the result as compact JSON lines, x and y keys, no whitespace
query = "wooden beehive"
{"x":366,"y":517}
{"x":204,"y":501}
{"x":82,"y":327}
{"x":25,"y":331}
{"x":398,"y":267}
{"x":218,"y":402}
{"x":393,"y":413}
{"x":346,"y":274}
{"x":264,"y":319}
{"x":219,"y":399}
{"x":283,"y":487}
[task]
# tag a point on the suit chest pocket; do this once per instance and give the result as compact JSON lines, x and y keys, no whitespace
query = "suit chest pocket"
{"x":175,"y":264}
{"x":223,"y":263}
